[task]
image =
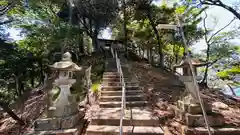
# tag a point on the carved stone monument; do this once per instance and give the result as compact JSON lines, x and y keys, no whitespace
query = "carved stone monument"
{"x":63,"y":113}
{"x":188,"y":107}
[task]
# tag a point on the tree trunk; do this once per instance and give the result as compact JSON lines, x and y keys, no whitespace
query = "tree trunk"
{"x":220,"y":4}
{"x":41,"y":71}
{"x":233,"y":92}
{"x":32,"y":75}
{"x":160,"y":51}
{"x":80,"y":44}
{"x":6,"y":109}
{"x":16,"y":83}
{"x":94,"y":40}
{"x":32,"y":81}
{"x":148,"y":55}
{"x":139,"y":51}
{"x":143,"y":52}
{"x":22,"y":88}
{"x":125,"y":26}
{"x":151,"y":56}
{"x":207,"y":66}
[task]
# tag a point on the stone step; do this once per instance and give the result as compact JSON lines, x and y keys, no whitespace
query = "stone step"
{"x":119,"y":93}
{"x":119,"y":103}
{"x":119,"y":88}
{"x":115,"y":79}
{"x":111,"y":79}
{"x":110,"y":73}
{"x":111,"y":76}
{"x":138,"y":97}
{"x":73,"y":131}
{"x":106,"y":83}
{"x":132,"y":117}
{"x":127,"y":130}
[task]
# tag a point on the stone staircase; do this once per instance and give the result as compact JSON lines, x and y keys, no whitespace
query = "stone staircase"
{"x":138,"y":119}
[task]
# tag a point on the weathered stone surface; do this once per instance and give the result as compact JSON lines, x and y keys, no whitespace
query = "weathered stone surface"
{"x":193,"y":108}
{"x":179,"y":113}
{"x":47,"y":124}
{"x":215,"y":131}
{"x":220,"y":105}
{"x":74,"y":131}
{"x":70,"y":121}
{"x":198,"y":120}
{"x":194,"y":120}
{"x":127,"y":130}
{"x":70,"y":109}
{"x":186,"y":78}
{"x":67,"y":111}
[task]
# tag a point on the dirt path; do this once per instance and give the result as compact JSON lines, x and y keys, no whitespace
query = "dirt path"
{"x":164,"y":89}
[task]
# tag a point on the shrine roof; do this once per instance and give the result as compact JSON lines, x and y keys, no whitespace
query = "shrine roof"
{"x":195,"y":62}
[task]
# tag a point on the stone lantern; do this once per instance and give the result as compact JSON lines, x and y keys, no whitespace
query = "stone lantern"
{"x":188,"y":106}
{"x":186,"y":78}
{"x":184,"y":67}
{"x":63,"y":113}
{"x":64,"y":81}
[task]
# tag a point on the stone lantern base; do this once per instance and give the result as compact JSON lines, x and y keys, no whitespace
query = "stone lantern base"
{"x":68,"y":119}
{"x":69,"y":123}
{"x":191,"y":115}
{"x":189,"y":109}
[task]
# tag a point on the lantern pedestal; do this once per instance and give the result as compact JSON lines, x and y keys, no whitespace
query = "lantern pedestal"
{"x":189,"y":109}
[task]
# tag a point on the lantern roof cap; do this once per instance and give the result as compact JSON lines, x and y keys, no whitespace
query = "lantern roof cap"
{"x":66,"y":64}
{"x":195,"y":62}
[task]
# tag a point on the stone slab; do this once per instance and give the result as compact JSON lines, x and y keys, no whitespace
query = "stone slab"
{"x":73,"y":131}
{"x":186,"y":78}
{"x":136,"y":117}
{"x":67,"y":111}
{"x":198,"y":119}
{"x":193,"y":108}
{"x":70,"y":121}
{"x":47,"y":124}
{"x":215,"y":131}
{"x":136,"y":97}
{"x":57,"y":122}
{"x":127,"y":130}
{"x":119,"y":93}
{"x":214,"y":120}
{"x":129,"y":87}
{"x":119,"y":103}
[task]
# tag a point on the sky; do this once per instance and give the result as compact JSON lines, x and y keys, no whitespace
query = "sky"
{"x":223,"y":16}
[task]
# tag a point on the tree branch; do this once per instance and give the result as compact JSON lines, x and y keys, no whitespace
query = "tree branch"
{"x":221,"y":4}
{"x":6,"y":22}
{"x":5,"y":9}
{"x":205,"y":27}
{"x":221,"y":29}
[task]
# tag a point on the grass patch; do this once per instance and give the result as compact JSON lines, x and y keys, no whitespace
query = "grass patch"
{"x":55,"y":91}
{"x":95,"y":87}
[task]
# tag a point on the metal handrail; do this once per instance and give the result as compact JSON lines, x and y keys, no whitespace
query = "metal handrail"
{"x":122,"y":82}
{"x":193,"y":75}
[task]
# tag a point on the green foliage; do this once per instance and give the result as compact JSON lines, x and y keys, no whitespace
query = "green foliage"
{"x":95,"y":87}
{"x":226,"y":74}
{"x":221,"y":45}
{"x":223,"y":75}
{"x":55,"y":91}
